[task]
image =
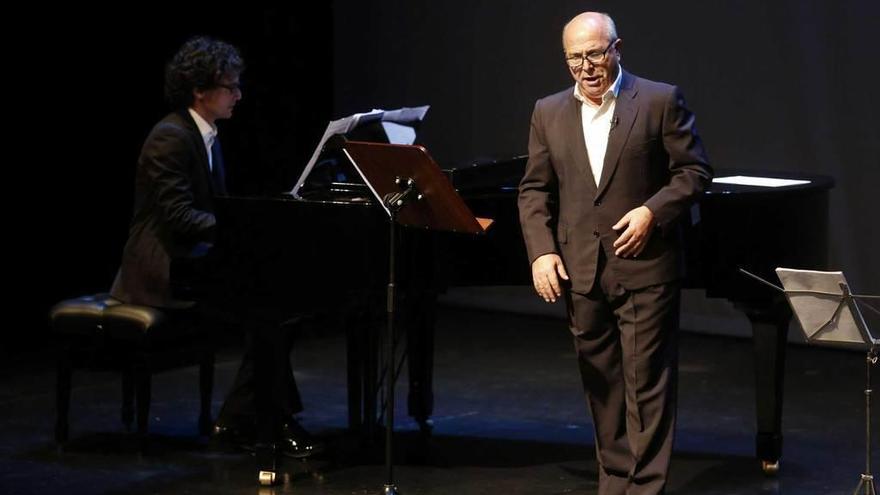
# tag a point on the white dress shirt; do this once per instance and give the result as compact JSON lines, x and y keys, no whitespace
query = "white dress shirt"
{"x":596,"y":122}
{"x":209,"y":134}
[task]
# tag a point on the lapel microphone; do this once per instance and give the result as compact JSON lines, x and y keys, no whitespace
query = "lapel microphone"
{"x":613,"y":123}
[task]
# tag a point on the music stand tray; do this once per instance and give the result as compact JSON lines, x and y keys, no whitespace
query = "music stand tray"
{"x":437,"y":207}
{"x":824,"y":307}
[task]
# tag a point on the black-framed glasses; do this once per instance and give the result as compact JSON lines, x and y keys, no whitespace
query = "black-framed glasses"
{"x":575,"y":60}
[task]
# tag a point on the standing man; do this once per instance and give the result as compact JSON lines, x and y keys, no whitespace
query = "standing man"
{"x":613,"y":164}
{"x":165,"y":262}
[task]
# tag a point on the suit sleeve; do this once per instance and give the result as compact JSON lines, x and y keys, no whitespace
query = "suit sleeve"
{"x":538,"y":193}
{"x":166,"y":158}
{"x":689,"y":169}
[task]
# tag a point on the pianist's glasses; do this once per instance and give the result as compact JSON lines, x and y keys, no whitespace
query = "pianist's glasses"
{"x":232,"y":88}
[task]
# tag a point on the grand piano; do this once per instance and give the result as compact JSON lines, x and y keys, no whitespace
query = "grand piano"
{"x":335,"y":239}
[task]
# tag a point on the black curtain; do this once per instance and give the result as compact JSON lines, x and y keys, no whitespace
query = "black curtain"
{"x":784,"y":85}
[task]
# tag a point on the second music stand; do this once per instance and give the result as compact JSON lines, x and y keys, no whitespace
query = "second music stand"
{"x":828,"y":313}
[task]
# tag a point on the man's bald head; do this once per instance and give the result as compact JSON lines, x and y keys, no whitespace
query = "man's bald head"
{"x":589,"y":23}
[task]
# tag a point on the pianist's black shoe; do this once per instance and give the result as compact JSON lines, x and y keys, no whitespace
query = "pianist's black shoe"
{"x":297,"y":442}
{"x":294,"y":441}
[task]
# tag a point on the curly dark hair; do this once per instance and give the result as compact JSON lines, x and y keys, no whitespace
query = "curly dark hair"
{"x":199,"y":64}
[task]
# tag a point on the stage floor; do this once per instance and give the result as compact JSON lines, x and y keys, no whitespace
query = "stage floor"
{"x":509,"y":419}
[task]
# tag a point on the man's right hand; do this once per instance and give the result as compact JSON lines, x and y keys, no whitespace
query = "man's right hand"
{"x":547,"y":269}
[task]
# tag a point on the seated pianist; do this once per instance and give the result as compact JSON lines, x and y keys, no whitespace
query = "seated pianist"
{"x":168,"y":262}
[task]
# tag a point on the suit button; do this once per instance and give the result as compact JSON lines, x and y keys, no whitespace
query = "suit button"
{"x":595,"y":233}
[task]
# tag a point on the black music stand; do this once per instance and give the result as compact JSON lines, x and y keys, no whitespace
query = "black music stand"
{"x":413,"y":192}
{"x":829,"y":313}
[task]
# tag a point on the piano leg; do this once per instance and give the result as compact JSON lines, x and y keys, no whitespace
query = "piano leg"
{"x":421,"y":315}
{"x":769,"y":332}
{"x":267,"y":417}
{"x":373,"y":328}
{"x":362,"y":327}
{"x":355,"y":341}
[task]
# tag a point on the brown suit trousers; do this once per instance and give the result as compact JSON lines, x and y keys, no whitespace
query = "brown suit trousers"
{"x":626,"y":344}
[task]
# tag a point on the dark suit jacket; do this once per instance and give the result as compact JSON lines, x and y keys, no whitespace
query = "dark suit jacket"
{"x":654,"y":158}
{"x":173,"y":211}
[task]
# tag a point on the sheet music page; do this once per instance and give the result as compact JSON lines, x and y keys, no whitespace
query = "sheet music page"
{"x":340,"y":126}
{"x":399,"y":134}
{"x":365,"y":118}
{"x":393,"y":122}
{"x":813,"y":311}
{"x":406,"y":114}
{"x":747,"y":180}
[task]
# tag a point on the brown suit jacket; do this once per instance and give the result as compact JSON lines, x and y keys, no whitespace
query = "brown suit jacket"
{"x":173,"y":211}
{"x":654,"y":158}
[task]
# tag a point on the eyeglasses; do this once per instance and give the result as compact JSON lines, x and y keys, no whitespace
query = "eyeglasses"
{"x":232,"y":88}
{"x":576,"y":60}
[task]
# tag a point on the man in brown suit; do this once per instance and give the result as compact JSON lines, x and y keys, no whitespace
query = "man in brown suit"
{"x":613,"y":164}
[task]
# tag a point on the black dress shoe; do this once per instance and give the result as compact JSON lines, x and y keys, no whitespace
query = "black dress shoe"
{"x":296,"y":442}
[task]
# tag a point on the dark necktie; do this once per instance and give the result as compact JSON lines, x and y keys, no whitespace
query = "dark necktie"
{"x":218,"y":173}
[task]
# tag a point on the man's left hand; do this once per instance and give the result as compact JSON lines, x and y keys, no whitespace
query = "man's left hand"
{"x":638,"y":225}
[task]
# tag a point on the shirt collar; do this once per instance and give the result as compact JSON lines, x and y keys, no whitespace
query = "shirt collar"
{"x":208,"y":131}
{"x":611,"y":92}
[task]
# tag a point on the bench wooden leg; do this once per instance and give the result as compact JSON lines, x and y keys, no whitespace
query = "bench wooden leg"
{"x":206,"y":390}
{"x":142,"y":382}
{"x":127,"y":399}
{"x":62,"y":395}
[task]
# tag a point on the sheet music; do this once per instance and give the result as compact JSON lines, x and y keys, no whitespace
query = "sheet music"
{"x":399,"y":134}
{"x":406,"y":114}
{"x":747,"y":180}
{"x":813,"y":311}
{"x":393,"y":121}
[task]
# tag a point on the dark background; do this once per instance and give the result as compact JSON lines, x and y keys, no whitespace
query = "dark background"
{"x":781,"y":85}
{"x":91,"y":87}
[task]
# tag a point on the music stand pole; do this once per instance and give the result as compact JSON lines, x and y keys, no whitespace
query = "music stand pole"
{"x":395,"y":202}
{"x":867,"y":479}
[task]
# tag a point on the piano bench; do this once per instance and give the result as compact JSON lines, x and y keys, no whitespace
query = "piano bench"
{"x":101,"y":333}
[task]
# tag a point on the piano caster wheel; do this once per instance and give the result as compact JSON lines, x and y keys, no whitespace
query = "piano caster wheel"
{"x":770,"y":468}
{"x":267,"y":478}
{"x":267,"y":463}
